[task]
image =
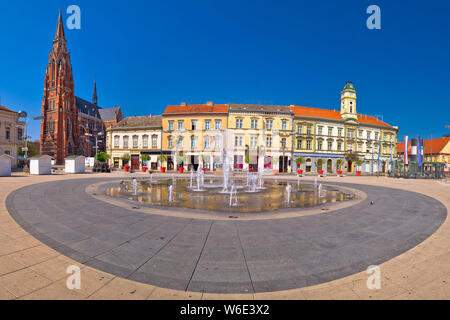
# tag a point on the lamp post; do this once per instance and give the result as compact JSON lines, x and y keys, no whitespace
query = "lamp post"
{"x":96,"y":139}
{"x":23,"y":114}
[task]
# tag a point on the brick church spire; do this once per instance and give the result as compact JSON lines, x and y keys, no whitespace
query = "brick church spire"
{"x":94,"y":95}
{"x":59,"y":127}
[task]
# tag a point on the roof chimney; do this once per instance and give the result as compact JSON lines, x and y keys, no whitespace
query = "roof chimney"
{"x":210,"y":103}
{"x":184,"y":104}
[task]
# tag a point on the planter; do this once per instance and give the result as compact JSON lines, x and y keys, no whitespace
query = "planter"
{"x":204,"y":170}
{"x":358,"y":173}
{"x":275,"y":172}
{"x":126,"y":168}
{"x":181,"y":170}
{"x":163,"y":169}
{"x":320,"y":172}
{"x":144,"y":169}
{"x":339,"y":172}
{"x":300,"y":171}
{"x":249,"y":169}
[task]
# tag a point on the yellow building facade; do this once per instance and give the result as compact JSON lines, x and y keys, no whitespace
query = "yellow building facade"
{"x":193,"y":135}
{"x":330,"y":140}
{"x":261,"y":137}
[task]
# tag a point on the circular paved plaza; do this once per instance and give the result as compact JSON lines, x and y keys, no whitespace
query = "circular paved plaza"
{"x":225,"y":255}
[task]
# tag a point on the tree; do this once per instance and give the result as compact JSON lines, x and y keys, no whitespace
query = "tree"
{"x":102,"y":157}
{"x":299,"y":161}
{"x":32,"y":151}
{"x":162,"y":158}
{"x":247,"y":159}
{"x":359,"y":162}
{"x":125,"y":158}
{"x":145,"y":158}
{"x":339,"y":165}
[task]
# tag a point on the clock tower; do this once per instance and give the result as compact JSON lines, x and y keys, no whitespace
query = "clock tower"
{"x":348,"y":103}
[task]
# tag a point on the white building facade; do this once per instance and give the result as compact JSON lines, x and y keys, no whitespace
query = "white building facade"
{"x":133,"y":137}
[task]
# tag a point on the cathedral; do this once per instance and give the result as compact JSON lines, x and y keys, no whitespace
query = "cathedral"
{"x":70,"y":125}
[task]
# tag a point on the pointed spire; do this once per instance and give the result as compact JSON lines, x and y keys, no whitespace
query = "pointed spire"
{"x":60,"y":29}
{"x":94,"y":95}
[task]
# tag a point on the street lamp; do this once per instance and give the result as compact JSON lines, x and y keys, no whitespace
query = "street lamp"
{"x":96,"y":139}
{"x":23,"y":114}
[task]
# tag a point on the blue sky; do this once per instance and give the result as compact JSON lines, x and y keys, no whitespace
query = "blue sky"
{"x":148,"y":54}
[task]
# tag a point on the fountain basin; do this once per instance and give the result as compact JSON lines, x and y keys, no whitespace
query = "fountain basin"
{"x":212,"y":197}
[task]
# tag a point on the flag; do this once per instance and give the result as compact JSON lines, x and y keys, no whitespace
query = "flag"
{"x":419,"y":152}
{"x":406,"y":150}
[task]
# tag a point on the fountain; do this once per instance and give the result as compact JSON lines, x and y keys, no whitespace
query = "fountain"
{"x":298,"y":182}
{"x":320,"y":191}
{"x":226,"y":174}
{"x":253,"y":183}
{"x":315,"y":183}
{"x":288,"y":192}
{"x":233,"y":195}
{"x":135,"y":187}
{"x":261,"y":180}
{"x":239,"y":197}
{"x":192,"y":178}
{"x":199,"y":181}
{"x":171,"y":193}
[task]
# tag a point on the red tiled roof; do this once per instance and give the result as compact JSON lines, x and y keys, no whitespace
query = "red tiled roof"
{"x":372,"y":120}
{"x":196,"y":108}
{"x":437,"y":144}
{"x":335,"y":115}
{"x":316,"y":113}
{"x":6,"y":109}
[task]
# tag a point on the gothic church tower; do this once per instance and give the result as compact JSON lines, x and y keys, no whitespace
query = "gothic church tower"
{"x":59,"y":126}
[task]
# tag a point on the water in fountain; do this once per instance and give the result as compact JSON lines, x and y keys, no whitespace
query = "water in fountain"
{"x":320,"y":191}
{"x":253,"y":181}
{"x":233,"y":196}
{"x":261,"y":180}
{"x":199,"y":181}
{"x":192,"y":178}
{"x":171,"y":193}
{"x":298,"y":182}
{"x":135,"y":187}
{"x":315,"y":183}
{"x":288,"y":192}
{"x":226,"y":174}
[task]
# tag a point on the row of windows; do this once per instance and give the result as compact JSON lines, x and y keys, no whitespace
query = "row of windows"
{"x":207,"y":142}
{"x":194,"y":125}
{"x":238,"y":142}
{"x":254,"y":124}
{"x":135,"y":141}
{"x":350,"y":133}
{"x":329,"y":145}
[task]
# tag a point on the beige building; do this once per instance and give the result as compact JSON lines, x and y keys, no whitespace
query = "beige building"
{"x":134,"y":137}
{"x":262,"y":137}
{"x":11,"y":134}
